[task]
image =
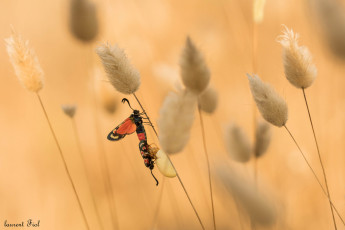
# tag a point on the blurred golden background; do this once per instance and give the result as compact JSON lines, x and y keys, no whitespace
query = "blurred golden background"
{"x":33,"y":181}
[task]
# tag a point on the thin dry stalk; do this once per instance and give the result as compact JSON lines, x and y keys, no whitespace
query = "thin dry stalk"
{"x":106,"y":170}
{"x":103,"y":157}
{"x":76,"y":135}
{"x":64,"y":161}
{"x":239,"y":213}
{"x":175,"y":207}
{"x":254,"y":61}
{"x":320,"y":159}
{"x":315,"y":176}
{"x":208,"y":165}
{"x":177,"y":174}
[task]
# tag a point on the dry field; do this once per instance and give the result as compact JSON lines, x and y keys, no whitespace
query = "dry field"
{"x":33,"y":181}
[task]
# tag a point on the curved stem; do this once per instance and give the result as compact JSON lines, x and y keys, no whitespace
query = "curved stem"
{"x":76,"y":134}
{"x":320,"y":159}
{"x":315,"y":176}
{"x":177,"y":175}
{"x":208,"y":166}
{"x":64,"y":162}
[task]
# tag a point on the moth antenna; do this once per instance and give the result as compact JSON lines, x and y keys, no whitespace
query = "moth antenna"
{"x":154,"y":178}
{"x":126,"y":100}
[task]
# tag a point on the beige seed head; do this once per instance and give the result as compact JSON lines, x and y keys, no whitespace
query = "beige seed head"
{"x":83,"y":20}
{"x":262,"y":138}
{"x":194,"y":72}
{"x":208,"y":100}
{"x":259,"y":207}
{"x":175,"y":121}
{"x":331,"y":15}
{"x":258,"y":10}
{"x":271,"y":105}
{"x":238,"y":144}
{"x":25,"y":62}
{"x":69,"y":110}
{"x":298,"y":66}
{"x":121,"y":74}
{"x":164,"y":164}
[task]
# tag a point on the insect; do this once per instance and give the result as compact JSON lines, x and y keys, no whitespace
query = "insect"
{"x":135,"y":123}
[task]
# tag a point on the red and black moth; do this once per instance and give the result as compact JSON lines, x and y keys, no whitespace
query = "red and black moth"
{"x":135,"y":123}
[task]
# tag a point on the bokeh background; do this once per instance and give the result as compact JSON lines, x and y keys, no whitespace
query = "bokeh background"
{"x":33,"y":183}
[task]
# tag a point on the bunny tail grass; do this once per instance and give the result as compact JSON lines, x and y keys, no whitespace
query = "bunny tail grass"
{"x":178,"y":176}
{"x":320,"y":159}
{"x":64,"y":161}
{"x":208,"y":165}
{"x":76,"y":134}
{"x":315,"y":176}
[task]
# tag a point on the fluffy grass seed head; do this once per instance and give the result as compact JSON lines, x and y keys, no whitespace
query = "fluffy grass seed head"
{"x":258,"y":10}
{"x":194,"y":71}
{"x":262,"y":138}
{"x":208,"y":100}
{"x":331,"y":15}
{"x":298,"y":66}
{"x":83,"y":20}
{"x":25,"y":62}
{"x":238,"y":144}
{"x":257,"y":204}
{"x":69,"y":110}
{"x":175,"y":120}
{"x":271,"y":105}
{"x":121,"y":74}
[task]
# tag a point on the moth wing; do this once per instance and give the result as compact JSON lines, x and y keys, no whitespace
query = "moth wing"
{"x":126,"y":127}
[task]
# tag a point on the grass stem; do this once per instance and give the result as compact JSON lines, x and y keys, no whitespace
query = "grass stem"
{"x":315,"y":176}
{"x":64,"y":161}
{"x":76,"y":134}
{"x":106,"y":172}
{"x":320,"y":159}
{"x":177,"y":175}
{"x":254,"y":68}
{"x":208,"y":166}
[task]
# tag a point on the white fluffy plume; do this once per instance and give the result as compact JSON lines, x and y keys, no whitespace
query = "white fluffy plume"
{"x":258,"y":206}
{"x":121,"y":74}
{"x":175,"y":121}
{"x":25,"y":62}
{"x":194,"y":71}
{"x":271,"y":105}
{"x":298,"y":66}
{"x":237,"y":143}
